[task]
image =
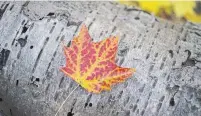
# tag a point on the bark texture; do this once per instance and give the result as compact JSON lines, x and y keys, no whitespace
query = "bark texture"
{"x":167,"y":58}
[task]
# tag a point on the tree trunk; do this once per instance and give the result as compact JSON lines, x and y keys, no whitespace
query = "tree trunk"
{"x":167,"y":57}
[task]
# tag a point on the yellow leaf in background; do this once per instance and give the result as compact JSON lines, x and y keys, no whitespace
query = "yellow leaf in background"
{"x":181,"y":8}
{"x":186,"y":9}
{"x":154,"y":6}
{"x":128,"y":3}
{"x":172,"y":10}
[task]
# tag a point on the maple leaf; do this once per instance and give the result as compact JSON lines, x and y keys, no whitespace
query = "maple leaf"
{"x":92,"y":64}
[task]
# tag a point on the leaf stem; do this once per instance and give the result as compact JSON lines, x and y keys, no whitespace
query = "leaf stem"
{"x":66,"y":99}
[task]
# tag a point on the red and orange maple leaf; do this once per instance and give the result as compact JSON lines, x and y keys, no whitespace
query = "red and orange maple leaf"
{"x":92,"y":64}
